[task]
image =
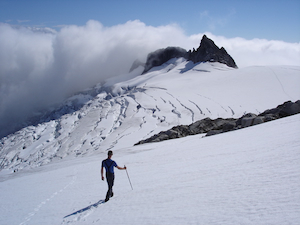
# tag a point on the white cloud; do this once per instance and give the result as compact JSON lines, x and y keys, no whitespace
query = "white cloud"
{"x":40,"y":68}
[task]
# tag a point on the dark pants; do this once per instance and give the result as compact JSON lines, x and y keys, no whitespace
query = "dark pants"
{"x":110,"y":177}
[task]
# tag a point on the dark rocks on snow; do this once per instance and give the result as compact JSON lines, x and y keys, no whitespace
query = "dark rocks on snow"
{"x":201,"y":126}
{"x":217,"y":126}
{"x":207,"y":52}
{"x":286,"y":109}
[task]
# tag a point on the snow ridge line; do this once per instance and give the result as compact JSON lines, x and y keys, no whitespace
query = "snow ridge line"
{"x":36,"y":209}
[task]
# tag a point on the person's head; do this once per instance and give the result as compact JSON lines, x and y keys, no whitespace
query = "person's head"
{"x":109,"y":154}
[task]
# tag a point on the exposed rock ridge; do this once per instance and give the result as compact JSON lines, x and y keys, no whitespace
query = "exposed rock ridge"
{"x":206,"y":52}
{"x":209,"y":52}
{"x":217,"y":126}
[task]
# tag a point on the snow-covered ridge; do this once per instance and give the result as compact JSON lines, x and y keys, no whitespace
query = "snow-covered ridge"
{"x":129,"y":108}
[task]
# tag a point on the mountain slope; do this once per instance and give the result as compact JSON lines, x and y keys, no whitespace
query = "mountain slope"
{"x":249,"y":176}
{"x":132,"y":107}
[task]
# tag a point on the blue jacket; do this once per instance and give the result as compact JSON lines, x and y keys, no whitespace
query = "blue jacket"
{"x":109,"y":165}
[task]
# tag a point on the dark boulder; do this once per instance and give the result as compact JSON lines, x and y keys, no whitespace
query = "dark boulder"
{"x":286,"y":109}
{"x":229,"y":125}
{"x":258,"y":120}
{"x":174,"y":132}
{"x":207,"y":124}
{"x":246,"y":120}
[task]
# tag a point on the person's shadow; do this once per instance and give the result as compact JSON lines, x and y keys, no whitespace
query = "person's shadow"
{"x":95,"y":205}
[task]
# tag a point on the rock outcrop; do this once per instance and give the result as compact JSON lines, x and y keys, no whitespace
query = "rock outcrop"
{"x":217,"y":126}
{"x":207,"y":52}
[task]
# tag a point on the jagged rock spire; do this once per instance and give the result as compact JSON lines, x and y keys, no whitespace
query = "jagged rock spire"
{"x":209,"y":52}
{"x":206,"y":52}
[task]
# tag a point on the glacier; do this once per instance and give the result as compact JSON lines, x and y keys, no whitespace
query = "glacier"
{"x":126,"y":109}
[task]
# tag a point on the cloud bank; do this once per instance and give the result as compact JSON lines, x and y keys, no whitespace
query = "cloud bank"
{"x":41,"y":67}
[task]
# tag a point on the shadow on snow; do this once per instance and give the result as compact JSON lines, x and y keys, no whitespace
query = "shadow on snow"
{"x":95,"y":205}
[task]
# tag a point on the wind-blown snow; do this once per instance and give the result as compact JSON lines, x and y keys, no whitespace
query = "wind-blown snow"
{"x":248,"y":176}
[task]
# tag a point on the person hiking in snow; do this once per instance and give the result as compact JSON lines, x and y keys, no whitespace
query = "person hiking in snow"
{"x":109,"y":165}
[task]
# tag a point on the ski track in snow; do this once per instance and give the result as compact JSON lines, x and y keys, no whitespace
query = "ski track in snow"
{"x":48,"y":200}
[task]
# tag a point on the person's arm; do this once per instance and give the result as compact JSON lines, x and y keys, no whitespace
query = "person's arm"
{"x":121,"y":168}
{"x":102,"y":173}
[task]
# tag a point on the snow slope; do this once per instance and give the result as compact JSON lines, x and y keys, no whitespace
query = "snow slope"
{"x":248,"y":176}
{"x":132,"y":107}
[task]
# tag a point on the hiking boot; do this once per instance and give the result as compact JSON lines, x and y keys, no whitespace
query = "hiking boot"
{"x":112,"y":194}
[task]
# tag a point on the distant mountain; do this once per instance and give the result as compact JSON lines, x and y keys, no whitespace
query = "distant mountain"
{"x":206,"y":52}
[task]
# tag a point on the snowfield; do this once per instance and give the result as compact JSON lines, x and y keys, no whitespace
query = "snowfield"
{"x":132,"y":107}
{"x":248,"y":176}
{"x":50,"y":171}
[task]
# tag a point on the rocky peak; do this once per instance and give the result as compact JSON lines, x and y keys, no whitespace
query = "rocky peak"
{"x":209,"y":52}
{"x":206,"y":52}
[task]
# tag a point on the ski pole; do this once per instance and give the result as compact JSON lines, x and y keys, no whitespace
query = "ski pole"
{"x":129,"y":179}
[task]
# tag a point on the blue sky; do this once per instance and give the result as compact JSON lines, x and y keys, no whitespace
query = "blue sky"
{"x":264,"y":19}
